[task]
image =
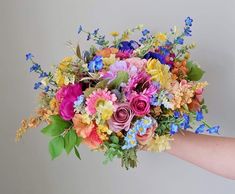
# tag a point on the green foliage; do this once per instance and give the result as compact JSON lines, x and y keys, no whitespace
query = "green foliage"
{"x":56,"y":146}
{"x":70,"y":140}
{"x":113,"y":150}
{"x":77,"y":153}
{"x":195,"y":72}
{"x":122,"y":77}
{"x":129,"y":158}
{"x":57,"y":126}
{"x":88,"y":91}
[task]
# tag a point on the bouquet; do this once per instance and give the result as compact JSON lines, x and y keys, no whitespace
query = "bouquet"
{"x":121,"y":95}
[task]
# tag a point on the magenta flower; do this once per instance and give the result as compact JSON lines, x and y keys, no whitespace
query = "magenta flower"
{"x":121,"y":118}
{"x":140,"y":104}
{"x":67,"y":95}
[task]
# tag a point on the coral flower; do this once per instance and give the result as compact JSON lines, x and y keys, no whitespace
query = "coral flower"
{"x":97,"y":97}
{"x":106,"y":52}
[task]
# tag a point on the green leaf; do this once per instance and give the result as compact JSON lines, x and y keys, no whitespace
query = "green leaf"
{"x":79,"y":140}
{"x":102,"y":84}
{"x":57,"y":126}
{"x":77,"y":153}
{"x":122,"y":77}
{"x":195,"y":72}
{"x":70,"y":140}
{"x":78,"y":52}
{"x":56,"y":146}
{"x":88,"y":91}
{"x":114,"y":139}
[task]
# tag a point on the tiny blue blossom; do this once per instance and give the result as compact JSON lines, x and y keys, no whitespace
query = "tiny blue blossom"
{"x":200,"y":129}
{"x":179,"y":40}
{"x":46,"y":89}
{"x":34,"y":67}
{"x":142,"y":40}
{"x":37,"y":85}
{"x":43,"y":74}
{"x":79,"y":29}
{"x":188,"y":21}
{"x":214,"y":129}
{"x":28,"y":56}
{"x":199,"y":116}
{"x":174,"y":129}
{"x":145,"y":32}
{"x":95,"y":32}
{"x":187,"y":31}
{"x":88,"y":36}
{"x":176,"y":114}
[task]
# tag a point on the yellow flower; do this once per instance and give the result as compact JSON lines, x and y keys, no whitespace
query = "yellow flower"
{"x":107,"y":61}
{"x":59,"y":78}
{"x":65,"y":63}
{"x":105,"y":109}
{"x":159,"y":72}
{"x":114,"y":34}
{"x":161,"y":37}
{"x":159,"y":143}
{"x":125,"y":35}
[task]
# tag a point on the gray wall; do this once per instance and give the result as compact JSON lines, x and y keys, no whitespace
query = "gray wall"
{"x":43,"y":27}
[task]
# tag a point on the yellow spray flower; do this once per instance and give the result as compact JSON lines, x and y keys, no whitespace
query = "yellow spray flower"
{"x":105,"y":109}
{"x":59,"y":78}
{"x":107,"y":61}
{"x":159,"y":72}
{"x":161,"y":37}
{"x":65,"y":63}
{"x":114,"y":34}
{"x":159,"y":143}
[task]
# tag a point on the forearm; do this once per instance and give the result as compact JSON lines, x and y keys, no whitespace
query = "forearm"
{"x":215,"y":154}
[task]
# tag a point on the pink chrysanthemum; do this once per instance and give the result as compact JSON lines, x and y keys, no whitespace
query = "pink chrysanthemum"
{"x":96,"y":97}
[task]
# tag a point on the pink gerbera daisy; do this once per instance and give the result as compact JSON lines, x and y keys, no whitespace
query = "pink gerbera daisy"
{"x":97,"y":97}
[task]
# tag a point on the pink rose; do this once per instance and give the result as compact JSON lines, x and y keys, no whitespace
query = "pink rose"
{"x":121,"y":118}
{"x":140,"y":104}
{"x":67,"y":95}
{"x":144,"y":139}
{"x":137,"y":62}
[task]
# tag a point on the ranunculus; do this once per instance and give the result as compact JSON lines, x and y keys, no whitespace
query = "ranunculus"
{"x":67,"y":95}
{"x":144,"y":139}
{"x":83,"y":125}
{"x":121,"y":118}
{"x":93,"y":141}
{"x":140,"y":104}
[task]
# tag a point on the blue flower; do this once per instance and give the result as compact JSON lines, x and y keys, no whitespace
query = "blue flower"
{"x":46,"y":89}
{"x":95,"y":32}
{"x":142,"y":40}
{"x":96,"y":64}
{"x":188,"y":21}
{"x":176,"y":114}
{"x":154,"y":101}
{"x":174,"y":129}
{"x":37,"y":85}
{"x":154,"y":55}
{"x":187,"y":31}
{"x":43,"y":74}
{"x":28,"y":56}
{"x":79,"y":29}
{"x":199,"y":116}
{"x":145,"y":32}
{"x":179,"y":40}
{"x":186,"y":121}
{"x":200,"y":129}
{"x":34,"y":67}
{"x":128,"y":45}
{"x":79,"y":101}
{"x":88,"y":36}
{"x":164,"y":51}
{"x":214,"y":129}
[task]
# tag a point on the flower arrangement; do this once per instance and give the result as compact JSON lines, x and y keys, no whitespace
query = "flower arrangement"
{"x":121,"y":96}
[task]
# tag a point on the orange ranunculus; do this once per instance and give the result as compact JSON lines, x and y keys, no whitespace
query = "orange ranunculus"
{"x":93,"y":141}
{"x":106,"y":52}
{"x":82,"y":125}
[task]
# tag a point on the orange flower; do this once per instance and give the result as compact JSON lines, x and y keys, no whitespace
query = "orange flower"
{"x":93,"y":141}
{"x":180,"y":69}
{"x":106,"y":52}
{"x":82,"y":125}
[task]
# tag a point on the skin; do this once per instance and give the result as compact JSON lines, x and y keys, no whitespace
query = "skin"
{"x":215,"y":154}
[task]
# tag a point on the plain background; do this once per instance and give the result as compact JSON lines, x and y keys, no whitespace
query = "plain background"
{"x":43,"y":27}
